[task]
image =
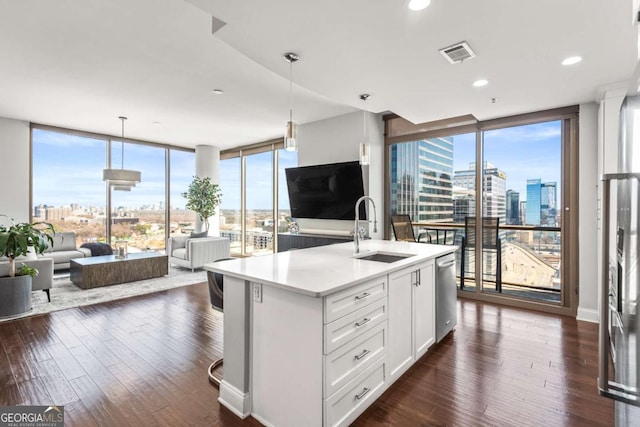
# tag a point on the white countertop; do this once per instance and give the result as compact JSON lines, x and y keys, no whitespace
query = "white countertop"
{"x":324,"y":270}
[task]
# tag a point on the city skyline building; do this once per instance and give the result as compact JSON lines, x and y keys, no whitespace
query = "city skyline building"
{"x":533,"y":201}
{"x":513,"y":207}
{"x":541,"y":203}
{"x":421,"y":179}
{"x":548,"y":204}
{"x":494,"y":184}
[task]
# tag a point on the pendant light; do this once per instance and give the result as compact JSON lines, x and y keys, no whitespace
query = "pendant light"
{"x":365,"y":148}
{"x":121,"y":179}
{"x":291,"y":131}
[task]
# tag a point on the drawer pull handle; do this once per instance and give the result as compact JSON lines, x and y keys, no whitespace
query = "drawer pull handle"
{"x":363,"y":296}
{"x":363,"y":393}
{"x":365,"y":320}
{"x":361,"y":355}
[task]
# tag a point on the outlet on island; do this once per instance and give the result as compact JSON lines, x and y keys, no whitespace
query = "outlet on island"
{"x":257,"y":292}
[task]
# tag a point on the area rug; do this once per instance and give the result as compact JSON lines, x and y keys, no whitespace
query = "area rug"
{"x":65,"y":294}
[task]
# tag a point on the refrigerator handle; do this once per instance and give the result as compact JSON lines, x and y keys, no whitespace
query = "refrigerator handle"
{"x":603,"y":333}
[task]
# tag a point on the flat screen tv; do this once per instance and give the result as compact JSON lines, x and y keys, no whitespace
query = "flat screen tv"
{"x":326,"y":191}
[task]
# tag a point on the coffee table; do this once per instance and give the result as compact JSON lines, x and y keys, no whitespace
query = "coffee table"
{"x":96,"y":271}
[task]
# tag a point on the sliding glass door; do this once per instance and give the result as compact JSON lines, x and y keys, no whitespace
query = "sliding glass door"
{"x":500,"y":191}
{"x":523,"y":190}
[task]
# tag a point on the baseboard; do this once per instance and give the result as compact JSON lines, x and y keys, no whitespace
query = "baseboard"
{"x":262,"y":420}
{"x":233,"y":399}
{"x":588,"y":315}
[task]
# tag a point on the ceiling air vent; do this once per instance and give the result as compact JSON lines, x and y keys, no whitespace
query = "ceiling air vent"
{"x":458,"y":52}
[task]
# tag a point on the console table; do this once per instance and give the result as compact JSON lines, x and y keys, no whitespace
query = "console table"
{"x":288,"y":241}
{"x":93,"y":272}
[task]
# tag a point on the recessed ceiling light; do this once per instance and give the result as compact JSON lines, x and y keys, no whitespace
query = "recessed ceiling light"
{"x":419,"y":4}
{"x":156,"y":123}
{"x":480,"y":83}
{"x":572,"y":60}
{"x":218,"y":91}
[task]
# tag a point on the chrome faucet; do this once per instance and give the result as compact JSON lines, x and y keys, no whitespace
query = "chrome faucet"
{"x":356,"y":231}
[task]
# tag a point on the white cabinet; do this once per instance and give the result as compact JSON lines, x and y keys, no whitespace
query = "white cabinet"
{"x":411,"y":316}
{"x":400,"y":353}
{"x":423,"y":308}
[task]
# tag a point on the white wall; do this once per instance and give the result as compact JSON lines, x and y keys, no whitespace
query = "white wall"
{"x":338,"y":140}
{"x":14,"y":149}
{"x":587,"y":217}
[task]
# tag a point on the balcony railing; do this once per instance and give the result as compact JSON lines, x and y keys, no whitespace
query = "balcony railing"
{"x":530,"y":259}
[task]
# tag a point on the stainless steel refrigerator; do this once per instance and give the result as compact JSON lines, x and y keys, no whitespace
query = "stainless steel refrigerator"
{"x":620,"y":281}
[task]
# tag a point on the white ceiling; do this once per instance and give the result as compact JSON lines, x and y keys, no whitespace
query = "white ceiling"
{"x":82,"y":63}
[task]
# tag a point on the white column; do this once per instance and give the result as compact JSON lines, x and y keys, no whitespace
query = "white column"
{"x":208,"y":165}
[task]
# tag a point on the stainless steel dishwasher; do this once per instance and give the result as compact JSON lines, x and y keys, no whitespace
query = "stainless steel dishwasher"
{"x":446,"y":295}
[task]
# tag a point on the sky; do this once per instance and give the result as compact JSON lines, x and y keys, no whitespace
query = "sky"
{"x":68,"y":168}
{"x":522,"y":152}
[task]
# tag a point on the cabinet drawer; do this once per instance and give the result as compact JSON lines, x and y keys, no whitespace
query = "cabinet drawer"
{"x":344,"y":407}
{"x":346,"y":301}
{"x":342,"y":365}
{"x":353,"y":325}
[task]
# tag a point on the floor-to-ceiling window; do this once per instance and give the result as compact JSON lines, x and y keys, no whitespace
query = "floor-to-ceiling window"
{"x":520,"y":167}
{"x":139,"y":216}
{"x":523,"y":177}
{"x":231,"y":202}
{"x":68,"y":190}
{"x":259,"y":203}
{"x":183,"y":166}
{"x":255,"y":202}
{"x":286,"y":159}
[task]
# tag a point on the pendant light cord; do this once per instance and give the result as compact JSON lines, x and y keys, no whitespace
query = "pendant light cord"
{"x":291,"y":91}
{"x":122,"y":145}
{"x":364,"y":97}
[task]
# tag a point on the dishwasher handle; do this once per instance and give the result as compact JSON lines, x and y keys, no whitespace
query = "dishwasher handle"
{"x":446,"y":263}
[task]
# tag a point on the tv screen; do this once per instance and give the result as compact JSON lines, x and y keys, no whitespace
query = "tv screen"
{"x":326,"y":191}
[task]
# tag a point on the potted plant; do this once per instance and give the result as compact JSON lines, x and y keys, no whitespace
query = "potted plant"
{"x":203,"y":197}
{"x":15,"y":241}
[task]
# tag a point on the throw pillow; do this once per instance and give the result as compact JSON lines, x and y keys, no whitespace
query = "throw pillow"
{"x":198,"y":235}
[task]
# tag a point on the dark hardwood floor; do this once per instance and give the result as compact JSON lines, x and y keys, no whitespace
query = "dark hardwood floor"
{"x":143,"y":361}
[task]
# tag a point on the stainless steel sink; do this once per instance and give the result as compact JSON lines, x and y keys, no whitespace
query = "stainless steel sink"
{"x":383,"y":257}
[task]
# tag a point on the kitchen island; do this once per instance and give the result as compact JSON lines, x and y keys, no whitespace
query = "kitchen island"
{"x":312,"y":337}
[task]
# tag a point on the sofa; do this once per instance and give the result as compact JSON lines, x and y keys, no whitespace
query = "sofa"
{"x":64,"y":250}
{"x":195,"y":252}
{"x":43,"y":281}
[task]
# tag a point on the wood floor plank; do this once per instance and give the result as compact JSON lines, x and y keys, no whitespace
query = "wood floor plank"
{"x":102,"y":411}
{"x":34,"y":392}
{"x":143,"y":360}
{"x":57,"y":385}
